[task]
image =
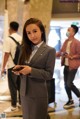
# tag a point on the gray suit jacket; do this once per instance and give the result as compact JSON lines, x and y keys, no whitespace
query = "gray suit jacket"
{"x":42,"y":63}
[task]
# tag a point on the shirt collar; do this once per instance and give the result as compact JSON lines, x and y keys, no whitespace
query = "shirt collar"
{"x":37,"y":46}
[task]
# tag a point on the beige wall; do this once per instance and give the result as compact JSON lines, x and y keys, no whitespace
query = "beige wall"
{"x":41,"y":9}
{"x":2,"y":5}
{"x":15,"y":12}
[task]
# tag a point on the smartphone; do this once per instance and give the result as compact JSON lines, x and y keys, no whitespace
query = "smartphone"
{"x":18,"y":69}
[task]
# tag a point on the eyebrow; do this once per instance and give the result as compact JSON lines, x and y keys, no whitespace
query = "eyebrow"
{"x":33,"y":30}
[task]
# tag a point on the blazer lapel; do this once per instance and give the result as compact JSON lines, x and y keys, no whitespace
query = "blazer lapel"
{"x":38,"y":53}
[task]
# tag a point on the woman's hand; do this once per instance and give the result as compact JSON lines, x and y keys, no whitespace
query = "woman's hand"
{"x":16,"y":69}
{"x":26,"y":70}
{"x":22,"y":69}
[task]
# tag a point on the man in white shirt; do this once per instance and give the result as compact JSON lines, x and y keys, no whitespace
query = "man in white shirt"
{"x":9,"y":48}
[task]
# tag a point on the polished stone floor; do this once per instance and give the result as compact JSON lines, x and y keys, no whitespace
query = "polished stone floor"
{"x":57,"y":112}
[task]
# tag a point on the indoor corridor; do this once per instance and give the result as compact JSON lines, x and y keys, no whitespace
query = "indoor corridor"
{"x":57,"y":16}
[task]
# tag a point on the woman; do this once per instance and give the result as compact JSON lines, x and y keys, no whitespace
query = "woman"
{"x":37,"y":62}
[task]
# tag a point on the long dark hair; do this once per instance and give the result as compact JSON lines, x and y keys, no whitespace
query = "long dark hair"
{"x":26,"y":43}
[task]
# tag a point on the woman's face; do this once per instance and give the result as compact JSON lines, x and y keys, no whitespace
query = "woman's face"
{"x":34,"y":33}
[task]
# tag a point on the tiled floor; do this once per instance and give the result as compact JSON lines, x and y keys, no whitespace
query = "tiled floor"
{"x":58,"y":113}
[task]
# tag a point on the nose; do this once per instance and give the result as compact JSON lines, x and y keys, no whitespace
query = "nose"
{"x":32,"y":35}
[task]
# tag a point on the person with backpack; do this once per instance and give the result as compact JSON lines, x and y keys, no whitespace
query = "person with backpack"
{"x":9,"y":49}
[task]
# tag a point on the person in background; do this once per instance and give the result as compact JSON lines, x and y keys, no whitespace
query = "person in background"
{"x":70,"y":53}
{"x":36,"y":66}
{"x":9,"y":48}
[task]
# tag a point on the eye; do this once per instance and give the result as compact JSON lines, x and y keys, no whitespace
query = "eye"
{"x":35,"y":31}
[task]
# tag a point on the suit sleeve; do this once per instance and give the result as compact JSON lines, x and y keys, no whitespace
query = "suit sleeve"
{"x":47,"y":73}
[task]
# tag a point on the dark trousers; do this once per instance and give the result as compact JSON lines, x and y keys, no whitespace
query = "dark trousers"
{"x":69,"y":76}
{"x":14,"y":87}
{"x":51,"y":90}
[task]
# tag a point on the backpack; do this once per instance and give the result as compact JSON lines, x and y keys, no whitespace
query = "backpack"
{"x":17,"y":52}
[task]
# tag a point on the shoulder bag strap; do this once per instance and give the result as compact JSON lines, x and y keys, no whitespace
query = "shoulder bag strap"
{"x":14,"y":40}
